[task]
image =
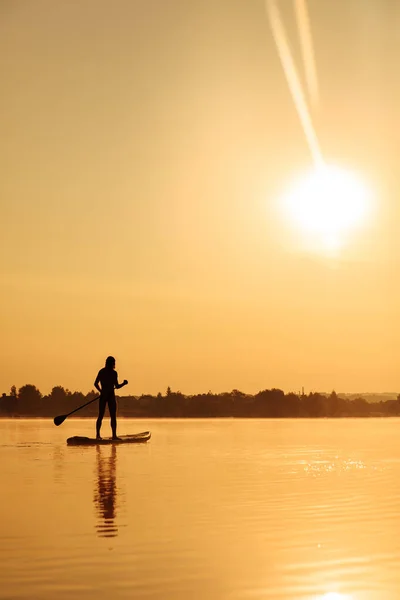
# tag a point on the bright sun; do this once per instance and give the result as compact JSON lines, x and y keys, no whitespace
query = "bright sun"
{"x":326,"y":205}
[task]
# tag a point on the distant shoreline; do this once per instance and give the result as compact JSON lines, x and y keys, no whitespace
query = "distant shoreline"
{"x":28,"y":403}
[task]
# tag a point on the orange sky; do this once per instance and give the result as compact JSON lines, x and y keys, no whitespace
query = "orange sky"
{"x":143,"y":147}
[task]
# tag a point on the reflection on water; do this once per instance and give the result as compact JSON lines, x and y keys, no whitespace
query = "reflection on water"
{"x":213,"y":509}
{"x":105,"y":497}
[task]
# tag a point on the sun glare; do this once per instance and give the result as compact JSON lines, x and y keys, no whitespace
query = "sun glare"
{"x":326,"y":205}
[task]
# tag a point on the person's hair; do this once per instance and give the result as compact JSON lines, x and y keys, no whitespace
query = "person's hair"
{"x":110,"y":361}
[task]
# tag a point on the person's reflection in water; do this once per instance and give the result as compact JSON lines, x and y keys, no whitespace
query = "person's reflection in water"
{"x":105,"y":497}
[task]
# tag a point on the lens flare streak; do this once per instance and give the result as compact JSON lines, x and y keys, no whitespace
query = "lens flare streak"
{"x":293,"y":80}
{"x":310,"y":69}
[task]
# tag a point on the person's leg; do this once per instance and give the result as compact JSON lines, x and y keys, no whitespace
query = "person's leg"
{"x":112,"y":407}
{"x":102,"y":408}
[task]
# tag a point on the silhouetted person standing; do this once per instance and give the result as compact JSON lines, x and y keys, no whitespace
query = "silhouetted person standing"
{"x":108,"y":380}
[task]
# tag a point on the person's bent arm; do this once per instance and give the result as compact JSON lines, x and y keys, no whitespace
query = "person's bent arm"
{"x":120,"y":385}
{"x":96,"y":384}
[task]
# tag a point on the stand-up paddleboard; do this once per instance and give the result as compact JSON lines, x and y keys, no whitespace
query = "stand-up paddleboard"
{"x":135,"y":438}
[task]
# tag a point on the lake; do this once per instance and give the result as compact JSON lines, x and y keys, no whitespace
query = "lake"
{"x":208,"y":509}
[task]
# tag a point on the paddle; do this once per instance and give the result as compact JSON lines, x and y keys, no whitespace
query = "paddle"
{"x":61,"y":418}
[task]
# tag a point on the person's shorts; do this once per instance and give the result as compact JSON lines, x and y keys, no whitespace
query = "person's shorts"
{"x":112,"y":404}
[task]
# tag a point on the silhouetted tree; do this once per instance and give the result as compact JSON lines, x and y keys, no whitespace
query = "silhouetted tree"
{"x":270,"y":403}
{"x":173,"y":404}
{"x":29,"y":399}
{"x":58,"y":394}
{"x":315,"y":405}
{"x":361,"y":408}
{"x":58,"y":400}
{"x":292,"y":406}
{"x":333,"y":404}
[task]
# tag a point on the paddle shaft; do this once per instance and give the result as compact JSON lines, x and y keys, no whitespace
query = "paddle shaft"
{"x":61,"y":418}
{"x":83,"y":406}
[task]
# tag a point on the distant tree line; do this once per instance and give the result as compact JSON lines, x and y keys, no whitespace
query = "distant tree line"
{"x":270,"y":403}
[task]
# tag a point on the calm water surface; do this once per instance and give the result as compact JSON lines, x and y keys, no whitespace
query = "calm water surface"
{"x":208,"y":509}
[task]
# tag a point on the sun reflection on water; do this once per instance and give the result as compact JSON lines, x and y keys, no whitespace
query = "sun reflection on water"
{"x":338,"y":465}
{"x":335,"y":596}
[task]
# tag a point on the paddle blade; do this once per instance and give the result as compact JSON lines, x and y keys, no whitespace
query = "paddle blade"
{"x":60,"y":419}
